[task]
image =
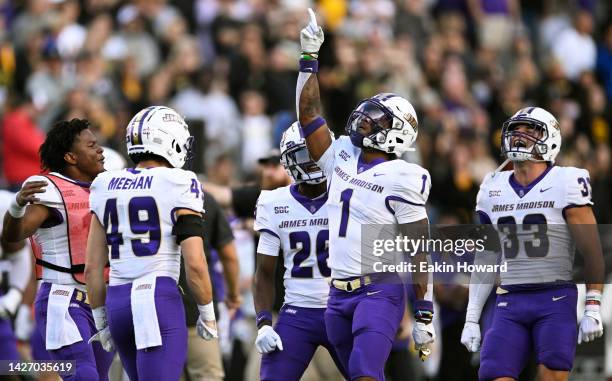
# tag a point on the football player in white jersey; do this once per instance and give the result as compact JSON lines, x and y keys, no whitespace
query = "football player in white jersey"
{"x":538,"y":208}
{"x":15,"y":272}
{"x":144,"y":219}
{"x":293,"y":219}
{"x":367,"y":184}
{"x":54,"y":211}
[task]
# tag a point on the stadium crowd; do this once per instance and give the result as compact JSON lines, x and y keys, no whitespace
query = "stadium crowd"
{"x":230,"y":67}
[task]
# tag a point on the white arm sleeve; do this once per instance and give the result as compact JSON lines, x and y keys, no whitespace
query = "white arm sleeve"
{"x":327,"y":160}
{"x":268,"y":244}
{"x":481,"y":284}
{"x":301,"y":81}
{"x":21,"y":268}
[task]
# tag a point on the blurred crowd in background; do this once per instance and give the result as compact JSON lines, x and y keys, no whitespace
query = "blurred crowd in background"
{"x":230,"y":67}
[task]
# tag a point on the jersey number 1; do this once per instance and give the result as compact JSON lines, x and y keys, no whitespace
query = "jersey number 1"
{"x":143,"y":219}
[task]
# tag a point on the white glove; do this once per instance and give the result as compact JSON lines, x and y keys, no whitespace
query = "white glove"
{"x":423,"y":335}
{"x":311,"y":37}
{"x":207,"y":323}
{"x":470,"y":337}
{"x":9,"y":303}
{"x":24,"y":324}
{"x":268,"y":340}
{"x":103,"y":335}
{"x":591,"y":326}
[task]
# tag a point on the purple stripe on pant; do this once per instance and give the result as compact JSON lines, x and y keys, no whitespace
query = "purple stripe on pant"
{"x":92,"y":362}
{"x":362,"y":324}
{"x":165,"y":362}
{"x":301,"y":330}
{"x":542,"y":321}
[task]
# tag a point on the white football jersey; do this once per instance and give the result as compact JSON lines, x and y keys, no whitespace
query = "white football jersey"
{"x":538,"y":248}
{"x":300,"y":226}
{"x":383,"y":192}
{"x":52,"y":234}
{"x":137,"y":208}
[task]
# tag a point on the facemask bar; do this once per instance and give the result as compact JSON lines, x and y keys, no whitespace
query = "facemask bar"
{"x":378,"y":116}
{"x":189,"y":144}
{"x":509,"y":132}
{"x":299,"y":165}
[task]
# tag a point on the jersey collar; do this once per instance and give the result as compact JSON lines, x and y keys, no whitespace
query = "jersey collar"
{"x":311,"y":204}
{"x":521,"y":190}
{"x":82,"y":184}
{"x":362,"y":166}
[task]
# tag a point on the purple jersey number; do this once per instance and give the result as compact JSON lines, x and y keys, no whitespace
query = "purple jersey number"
{"x":144,"y":219}
{"x":345,"y":199}
{"x":585,"y":182}
{"x":113,"y":238}
{"x":303,"y":238}
{"x":144,"y":223}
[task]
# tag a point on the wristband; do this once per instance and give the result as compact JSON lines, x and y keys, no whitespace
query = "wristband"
{"x":207,"y":311}
{"x":309,"y":66}
{"x":593,"y":298}
{"x":311,"y":127}
{"x":310,"y":56}
{"x":263,"y":318}
{"x":423,"y":311}
{"x":16,"y":210}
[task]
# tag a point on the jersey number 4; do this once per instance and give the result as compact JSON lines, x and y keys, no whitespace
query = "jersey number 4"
{"x":143,"y":219}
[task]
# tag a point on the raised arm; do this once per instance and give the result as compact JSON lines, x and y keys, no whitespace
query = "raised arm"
{"x":308,"y":100}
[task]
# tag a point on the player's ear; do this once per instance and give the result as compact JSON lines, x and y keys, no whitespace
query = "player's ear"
{"x":70,"y":158}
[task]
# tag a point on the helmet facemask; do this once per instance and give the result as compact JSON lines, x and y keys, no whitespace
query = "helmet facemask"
{"x":300,"y":166}
{"x":188,"y":146}
{"x":373,"y":114}
{"x":524,"y":145}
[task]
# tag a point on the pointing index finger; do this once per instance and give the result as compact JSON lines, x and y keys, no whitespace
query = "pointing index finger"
{"x":313,"y":19}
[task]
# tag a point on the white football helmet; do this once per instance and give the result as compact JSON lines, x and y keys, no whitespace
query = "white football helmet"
{"x":296,"y":159}
{"x":161,"y":131}
{"x":544,"y":136}
{"x":393,"y":121}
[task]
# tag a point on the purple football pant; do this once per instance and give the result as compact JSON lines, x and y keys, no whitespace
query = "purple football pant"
{"x":301,"y":330}
{"x":92,"y":361}
{"x":362,"y":325}
{"x":8,"y":343}
{"x":541,"y":320}
{"x":164,"y":362}
{"x":37,"y":343}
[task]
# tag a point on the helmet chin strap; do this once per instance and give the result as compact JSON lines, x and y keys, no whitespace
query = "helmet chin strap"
{"x":498,"y":169}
